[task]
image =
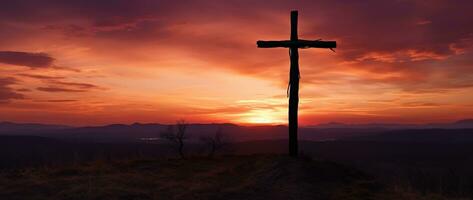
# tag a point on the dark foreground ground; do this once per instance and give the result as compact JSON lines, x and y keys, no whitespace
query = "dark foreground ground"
{"x":404,"y":164}
{"x":269,"y":177}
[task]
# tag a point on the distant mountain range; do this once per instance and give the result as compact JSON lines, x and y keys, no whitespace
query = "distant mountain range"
{"x":30,"y":144}
{"x":140,"y":132}
{"x":6,"y":127}
{"x":461,"y":124}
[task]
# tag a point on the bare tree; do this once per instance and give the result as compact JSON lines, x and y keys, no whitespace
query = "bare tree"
{"x":215,"y":143}
{"x":176,"y":136}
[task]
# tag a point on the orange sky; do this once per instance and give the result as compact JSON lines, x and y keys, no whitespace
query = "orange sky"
{"x":100,"y":62}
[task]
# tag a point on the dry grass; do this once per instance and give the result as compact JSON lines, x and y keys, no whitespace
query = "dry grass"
{"x":231,"y":177}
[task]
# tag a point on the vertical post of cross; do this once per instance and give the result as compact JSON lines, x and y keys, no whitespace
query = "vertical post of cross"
{"x":293,"y":88}
{"x":294,"y":44}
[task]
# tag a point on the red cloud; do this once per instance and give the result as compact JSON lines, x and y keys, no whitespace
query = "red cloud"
{"x":34,"y":60}
{"x":59,"y":89}
{"x":7,"y":93}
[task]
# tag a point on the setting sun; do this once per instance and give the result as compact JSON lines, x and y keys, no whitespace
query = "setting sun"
{"x":264,"y":116}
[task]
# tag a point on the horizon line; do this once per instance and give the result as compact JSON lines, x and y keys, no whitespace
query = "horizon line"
{"x":247,"y":124}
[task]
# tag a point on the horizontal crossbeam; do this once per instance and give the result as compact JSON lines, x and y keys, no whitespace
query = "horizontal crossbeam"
{"x":298,"y":44}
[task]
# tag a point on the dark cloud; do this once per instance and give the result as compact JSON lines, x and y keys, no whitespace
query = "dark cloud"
{"x":23,"y":90}
{"x":59,"y":100}
{"x":7,"y":93}
{"x":59,"y":89}
{"x":56,"y":84}
{"x":33,"y":60}
{"x":41,"y":77}
{"x":76,"y":85}
{"x":397,"y":25}
{"x":62,"y":86}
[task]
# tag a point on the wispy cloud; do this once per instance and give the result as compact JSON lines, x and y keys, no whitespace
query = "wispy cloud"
{"x":6,"y":92}
{"x":42,"y":77}
{"x":59,"y":89}
{"x":28,"y":59}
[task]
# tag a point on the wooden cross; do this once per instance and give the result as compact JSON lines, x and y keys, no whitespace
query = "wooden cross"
{"x":293,"y":91}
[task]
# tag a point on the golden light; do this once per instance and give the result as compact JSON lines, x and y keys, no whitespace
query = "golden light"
{"x":264,"y":116}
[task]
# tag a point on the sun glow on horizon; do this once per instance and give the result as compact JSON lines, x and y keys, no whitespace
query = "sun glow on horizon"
{"x":264,"y":116}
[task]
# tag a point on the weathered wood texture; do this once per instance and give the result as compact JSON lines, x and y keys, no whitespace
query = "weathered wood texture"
{"x":301,"y":44}
{"x":293,"y":88}
{"x":294,"y":44}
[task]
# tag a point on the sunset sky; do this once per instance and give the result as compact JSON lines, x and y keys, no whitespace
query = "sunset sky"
{"x":124,"y":61}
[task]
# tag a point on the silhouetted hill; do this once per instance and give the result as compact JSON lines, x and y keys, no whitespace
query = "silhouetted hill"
{"x":136,"y":132}
{"x":10,"y":128}
{"x":19,"y":151}
{"x":364,"y":126}
{"x":466,"y":123}
{"x":420,"y":136}
{"x":434,"y":166}
{"x":23,"y":151}
{"x":231,"y":177}
{"x":107,"y":133}
{"x":461,"y":124}
{"x":428,"y":159}
{"x":228,"y":177}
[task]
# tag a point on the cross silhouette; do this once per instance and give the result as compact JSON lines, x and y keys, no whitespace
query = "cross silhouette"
{"x":293,"y":92}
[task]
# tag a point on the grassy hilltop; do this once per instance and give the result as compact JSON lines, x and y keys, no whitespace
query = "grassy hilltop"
{"x":229,"y":177}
